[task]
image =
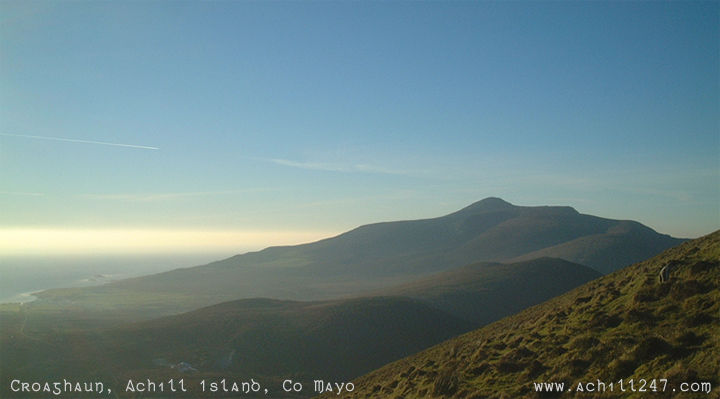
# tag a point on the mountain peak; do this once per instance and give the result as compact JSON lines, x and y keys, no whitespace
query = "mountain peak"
{"x":488,"y":204}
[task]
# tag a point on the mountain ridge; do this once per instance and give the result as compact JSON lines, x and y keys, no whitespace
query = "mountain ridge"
{"x":384,"y":254}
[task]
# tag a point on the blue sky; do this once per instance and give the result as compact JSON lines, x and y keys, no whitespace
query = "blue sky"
{"x":316,"y":117}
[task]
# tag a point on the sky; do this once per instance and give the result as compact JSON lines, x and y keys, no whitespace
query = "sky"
{"x":183,"y":126}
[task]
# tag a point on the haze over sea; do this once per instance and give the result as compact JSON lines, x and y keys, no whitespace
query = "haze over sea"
{"x":23,"y":275}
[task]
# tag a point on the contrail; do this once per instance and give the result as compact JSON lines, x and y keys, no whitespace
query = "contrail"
{"x":144,"y":147}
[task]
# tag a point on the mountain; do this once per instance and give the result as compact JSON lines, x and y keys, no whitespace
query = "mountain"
{"x":626,"y":325}
{"x":484,"y":292}
{"x":381,"y":255}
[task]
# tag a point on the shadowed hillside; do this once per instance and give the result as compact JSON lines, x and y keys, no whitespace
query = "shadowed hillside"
{"x":261,"y":338}
{"x":625,"y":325}
{"x":277,"y":339}
{"x":379,"y":255}
{"x":484,"y":292}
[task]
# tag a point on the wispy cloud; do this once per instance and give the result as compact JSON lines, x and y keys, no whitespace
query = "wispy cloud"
{"x":336,"y":167}
{"x":150,"y":197}
{"x":363,"y":200}
{"x":69,"y":140}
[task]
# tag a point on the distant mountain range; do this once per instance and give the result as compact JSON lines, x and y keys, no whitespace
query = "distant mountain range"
{"x":380,"y":255}
{"x":626,"y":325}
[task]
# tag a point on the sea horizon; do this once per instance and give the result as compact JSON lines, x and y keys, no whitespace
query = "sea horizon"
{"x":24,"y":274}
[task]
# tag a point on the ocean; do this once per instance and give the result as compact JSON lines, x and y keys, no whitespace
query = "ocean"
{"x":21,"y":276}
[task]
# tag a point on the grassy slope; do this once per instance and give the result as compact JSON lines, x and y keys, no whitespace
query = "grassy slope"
{"x":624,"y":325}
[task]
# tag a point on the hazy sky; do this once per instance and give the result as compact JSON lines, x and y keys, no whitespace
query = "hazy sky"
{"x":270,"y":122}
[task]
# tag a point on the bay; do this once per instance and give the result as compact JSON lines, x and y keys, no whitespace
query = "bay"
{"x":21,"y":276}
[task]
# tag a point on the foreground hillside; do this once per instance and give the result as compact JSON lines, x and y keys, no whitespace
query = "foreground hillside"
{"x":379,"y":255}
{"x":627,"y":325}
